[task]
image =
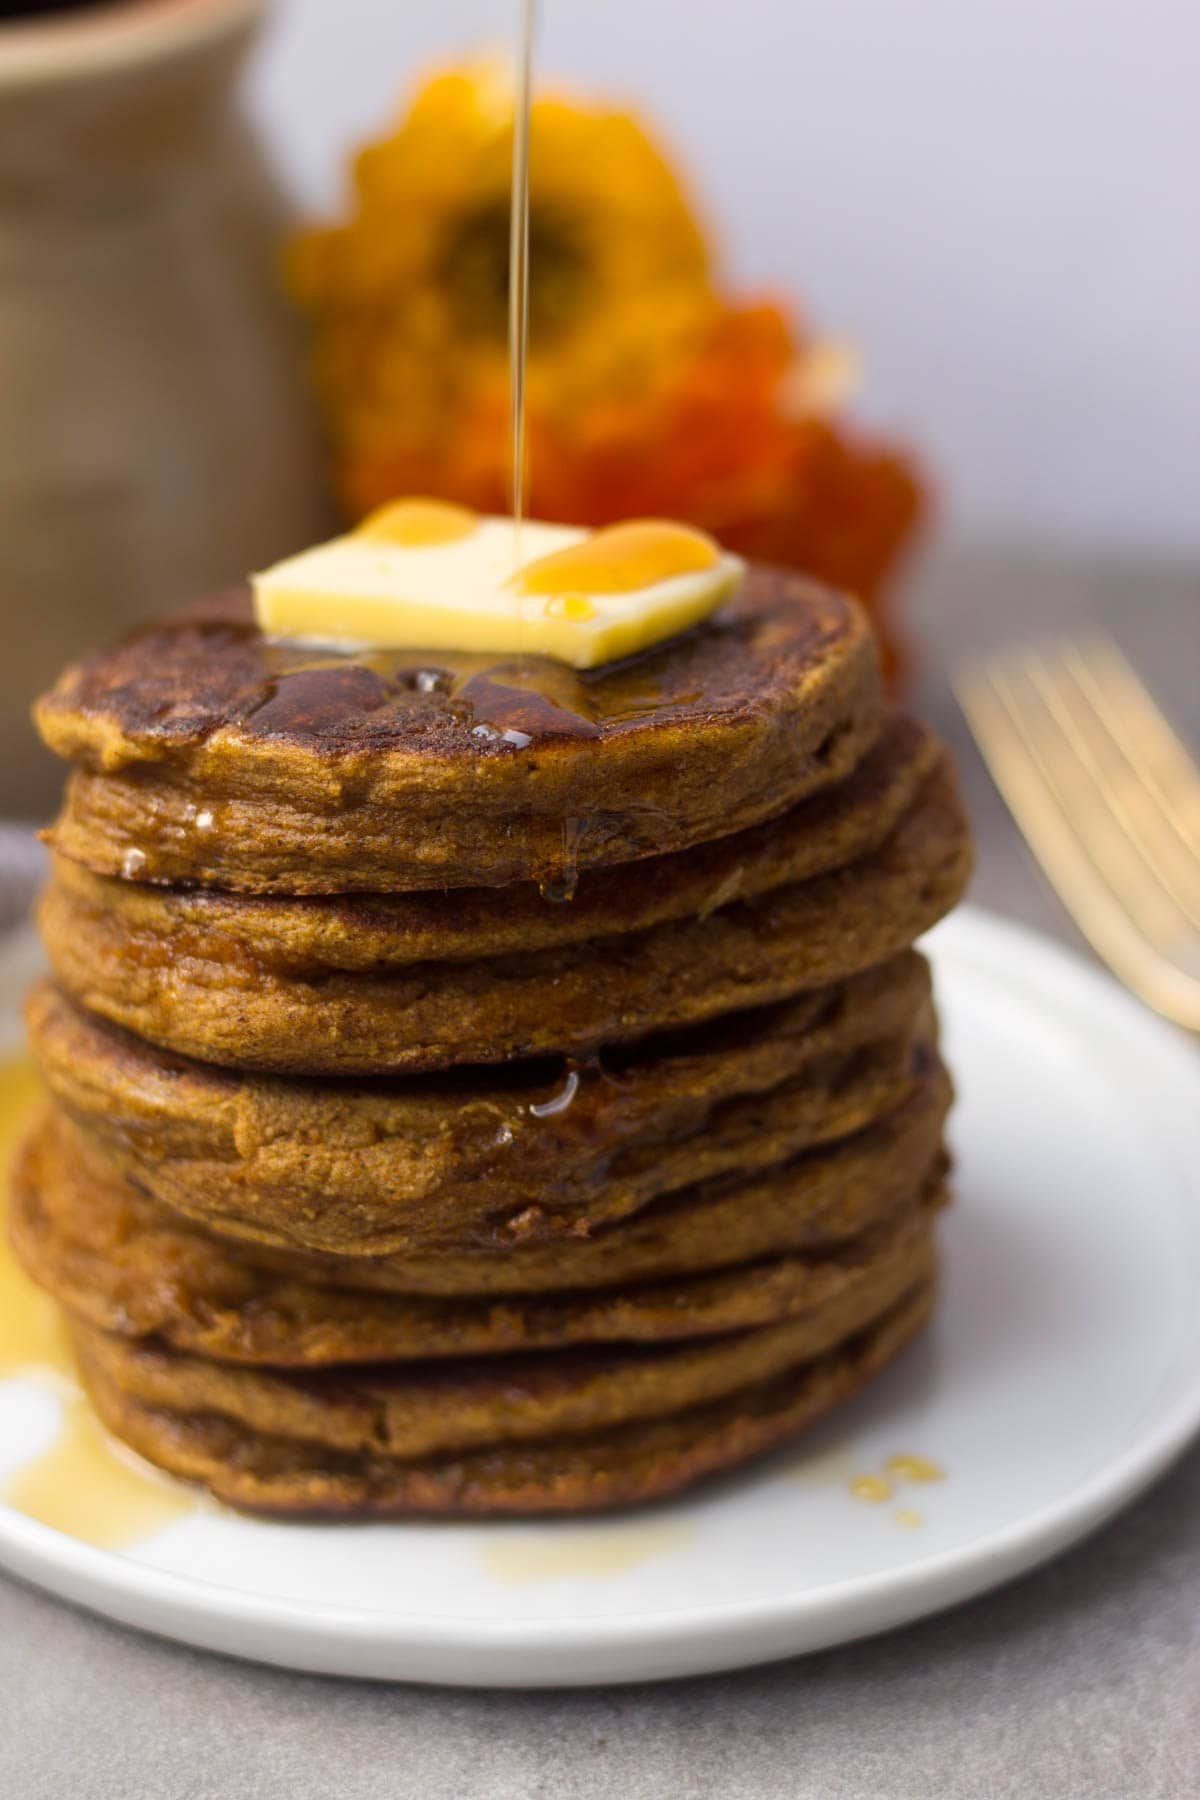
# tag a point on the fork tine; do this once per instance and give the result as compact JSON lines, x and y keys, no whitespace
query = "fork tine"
{"x":1049,"y":831}
{"x":1151,"y":746}
{"x":1109,"y":759}
{"x":1026,"y":688}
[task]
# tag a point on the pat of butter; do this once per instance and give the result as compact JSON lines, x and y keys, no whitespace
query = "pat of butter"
{"x":423,"y":575}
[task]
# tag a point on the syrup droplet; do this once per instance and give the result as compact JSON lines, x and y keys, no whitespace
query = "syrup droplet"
{"x":520,"y":740}
{"x":521,"y":1224}
{"x":558,"y":1103}
{"x":907,"y":1467}
{"x":570,"y":606}
{"x":726,"y":891}
{"x":874,"y":1489}
{"x":563,"y":889}
{"x":908,"y":1516}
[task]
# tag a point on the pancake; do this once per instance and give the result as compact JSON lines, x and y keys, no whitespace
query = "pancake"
{"x":833,"y":828}
{"x":127,"y":1264}
{"x":386,"y":1168}
{"x":219,"y":1004}
{"x":479,"y":1086}
{"x":211,"y":755}
{"x":414,"y":1409}
{"x":124,"y":1265}
{"x":617,"y":1466}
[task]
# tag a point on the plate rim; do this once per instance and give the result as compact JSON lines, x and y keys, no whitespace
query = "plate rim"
{"x":719,"y":1635}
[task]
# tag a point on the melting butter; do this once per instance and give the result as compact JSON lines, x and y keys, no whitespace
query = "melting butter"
{"x":421,"y":575}
{"x":417,"y":524}
{"x":570,"y":606}
{"x":620,"y":559}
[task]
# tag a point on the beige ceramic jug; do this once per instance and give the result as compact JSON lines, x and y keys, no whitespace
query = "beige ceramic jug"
{"x":156,"y":434}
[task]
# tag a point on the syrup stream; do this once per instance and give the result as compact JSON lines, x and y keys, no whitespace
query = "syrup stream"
{"x":518,"y":265}
{"x":518,"y":354}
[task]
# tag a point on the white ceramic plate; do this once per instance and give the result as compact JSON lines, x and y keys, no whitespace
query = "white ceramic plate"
{"x":1062,"y":1374}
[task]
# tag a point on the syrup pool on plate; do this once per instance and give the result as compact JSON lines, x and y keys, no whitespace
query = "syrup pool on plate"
{"x":82,"y":1483}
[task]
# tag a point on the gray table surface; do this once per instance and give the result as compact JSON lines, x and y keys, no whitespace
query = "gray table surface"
{"x":1082,"y":1679}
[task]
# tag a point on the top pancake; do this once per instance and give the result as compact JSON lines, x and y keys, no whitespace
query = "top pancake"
{"x":209,"y":754}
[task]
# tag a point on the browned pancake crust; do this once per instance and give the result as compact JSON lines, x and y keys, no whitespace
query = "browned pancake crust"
{"x":326,"y":773}
{"x":126,"y":1263}
{"x":417,"y":1409}
{"x":122,"y":1264}
{"x":394,"y":1167}
{"x":833,"y":828}
{"x":620,"y":1466}
{"x":223,"y":1005}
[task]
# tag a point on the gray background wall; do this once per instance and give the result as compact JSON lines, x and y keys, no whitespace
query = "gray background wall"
{"x":995,"y":198}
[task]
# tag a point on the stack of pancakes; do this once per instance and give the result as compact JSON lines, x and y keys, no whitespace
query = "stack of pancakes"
{"x":487,"y":1088}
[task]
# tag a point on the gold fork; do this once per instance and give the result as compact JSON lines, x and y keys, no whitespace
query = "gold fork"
{"x":1108,"y":800}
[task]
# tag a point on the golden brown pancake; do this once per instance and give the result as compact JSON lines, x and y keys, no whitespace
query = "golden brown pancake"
{"x":418,"y":1409}
{"x":209,"y":754}
{"x":827,"y":831}
{"x":126,"y":1263}
{"x":123,"y":1264}
{"x":617,"y":1466}
{"x":222,"y":1004}
{"x":442,"y":1162}
{"x":481,"y":1087}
